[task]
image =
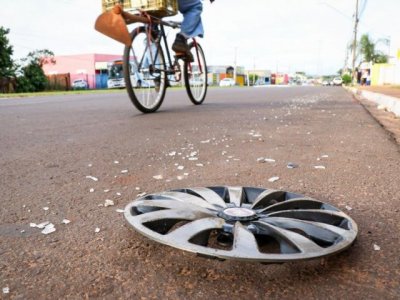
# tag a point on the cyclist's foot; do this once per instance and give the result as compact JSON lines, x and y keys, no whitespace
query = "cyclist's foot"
{"x":181,"y":47}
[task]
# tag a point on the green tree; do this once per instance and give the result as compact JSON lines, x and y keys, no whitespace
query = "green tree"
{"x":367,"y":49}
{"x":33,"y":78}
{"x":7,"y":67}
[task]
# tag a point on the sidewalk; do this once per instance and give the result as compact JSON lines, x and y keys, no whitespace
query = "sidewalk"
{"x":387,"y":97}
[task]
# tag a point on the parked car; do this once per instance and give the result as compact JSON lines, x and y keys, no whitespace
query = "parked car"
{"x":337,"y":81}
{"x":79,"y":84}
{"x":227,"y":82}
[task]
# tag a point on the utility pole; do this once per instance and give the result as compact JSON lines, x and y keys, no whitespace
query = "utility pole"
{"x":356,"y":20}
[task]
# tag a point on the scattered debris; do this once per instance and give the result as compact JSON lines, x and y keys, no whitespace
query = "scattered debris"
{"x":324,"y":156}
{"x":45,"y":208}
{"x":273,"y":179}
{"x":199,"y":165}
{"x":91,"y":190}
{"x":118,"y":210}
{"x":66,"y":221}
{"x":108,"y":202}
{"x":49,"y":228}
{"x":173,"y":153}
{"x":376,"y":247}
{"x":193,"y":158}
{"x":6,"y":290}
{"x":180,"y":167}
{"x":93,"y":178}
{"x":292,"y":165}
{"x":158,"y":177}
{"x":124,"y":171}
{"x":179,"y":177}
{"x":97,"y":230}
{"x":116,"y":162}
{"x":89,"y":165}
{"x":141,"y":194}
{"x":118,"y":193}
{"x":205,"y":142}
{"x":348,"y":207}
{"x":320,"y":167}
{"x":263,"y":160}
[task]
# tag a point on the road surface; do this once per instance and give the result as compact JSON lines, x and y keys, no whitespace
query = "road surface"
{"x":49,"y":145}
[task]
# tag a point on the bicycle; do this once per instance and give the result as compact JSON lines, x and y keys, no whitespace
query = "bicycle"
{"x":147,"y":63}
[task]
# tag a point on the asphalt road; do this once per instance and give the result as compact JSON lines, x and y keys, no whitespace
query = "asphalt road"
{"x":49,"y":145}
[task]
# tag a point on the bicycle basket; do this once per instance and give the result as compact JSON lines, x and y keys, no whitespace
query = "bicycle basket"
{"x":109,"y":4}
{"x":157,"y":8}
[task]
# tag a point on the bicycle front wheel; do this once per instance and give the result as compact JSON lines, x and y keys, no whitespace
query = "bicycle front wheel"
{"x":144,"y":72}
{"x":195,"y":74}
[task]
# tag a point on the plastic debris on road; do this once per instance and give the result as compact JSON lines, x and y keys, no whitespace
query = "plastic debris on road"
{"x":6,"y":290}
{"x":320,"y":167}
{"x":273,"y":179}
{"x":49,"y":228}
{"x":158,"y":177}
{"x":376,"y":247}
{"x":118,"y":210}
{"x":92,"y":177}
{"x":124,"y":171}
{"x":66,"y":221}
{"x":97,"y":230}
{"x":292,"y":165}
{"x":108,"y":202}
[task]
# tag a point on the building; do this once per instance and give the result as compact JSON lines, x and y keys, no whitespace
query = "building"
{"x":90,"y":67}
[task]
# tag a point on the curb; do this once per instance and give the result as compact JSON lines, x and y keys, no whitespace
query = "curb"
{"x":390,"y":103}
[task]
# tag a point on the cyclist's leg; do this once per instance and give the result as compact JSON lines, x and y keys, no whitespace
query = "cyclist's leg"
{"x":191,"y":26}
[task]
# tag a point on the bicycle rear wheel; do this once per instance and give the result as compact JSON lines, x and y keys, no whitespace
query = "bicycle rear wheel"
{"x":144,"y":72}
{"x":195,"y":74}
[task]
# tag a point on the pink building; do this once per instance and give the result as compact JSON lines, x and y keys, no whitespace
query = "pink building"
{"x":90,"y":67}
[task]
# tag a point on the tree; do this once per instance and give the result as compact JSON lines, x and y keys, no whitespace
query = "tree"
{"x":7,"y":67}
{"x":33,"y":78}
{"x":368,"y":50}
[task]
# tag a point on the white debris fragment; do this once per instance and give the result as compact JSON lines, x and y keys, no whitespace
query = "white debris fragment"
{"x":118,"y":193}
{"x":173,"y":153}
{"x":186,"y":174}
{"x":22,"y":231}
{"x":205,"y":142}
{"x":292,"y":165}
{"x":381,"y":107}
{"x":137,"y":188}
{"x":106,"y":191}
{"x":6,"y":290}
{"x":89,"y":165}
{"x":261,"y":159}
{"x":141,"y":194}
{"x":348,"y":207}
{"x":193,"y":158}
{"x":116,"y":162}
{"x":49,"y":228}
{"x":93,"y":178}
{"x":199,"y":165}
{"x":33,"y":225}
{"x":91,"y":190}
{"x":376,"y":247}
{"x":324,"y":156}
{"x":273,"y":179}
{"x":158,"y":177}
{"x":124,"y":171}
{"x":45,"y":208}
{"x":65,"y":221}
{"x":179,"y":177}
{"x":270,"y":160}
{"x":320,"y":167}
{"x":180,"y":167}
{"x":118,"y":210}
{"x":42,"y":225}
{"x":108,"y":202}
{"x":97,"y":230}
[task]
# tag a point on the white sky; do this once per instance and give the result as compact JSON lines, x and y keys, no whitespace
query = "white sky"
{"x":283,"y":35}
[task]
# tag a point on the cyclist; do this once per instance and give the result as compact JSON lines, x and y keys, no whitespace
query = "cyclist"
{"x":191,"y":25}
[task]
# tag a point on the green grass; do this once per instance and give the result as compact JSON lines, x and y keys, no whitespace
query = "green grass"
{"x":57,"y":93}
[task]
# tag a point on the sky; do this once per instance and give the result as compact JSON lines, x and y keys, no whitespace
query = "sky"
{"x":277,"y":35}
